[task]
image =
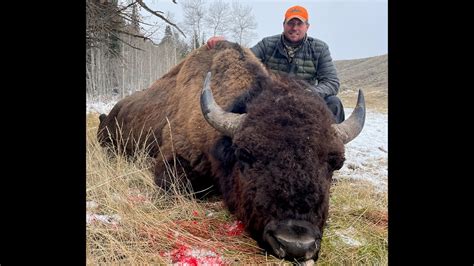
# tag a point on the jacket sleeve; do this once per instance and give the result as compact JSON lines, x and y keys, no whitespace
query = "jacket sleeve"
{"x":259,"y":50}
{"x":328,"y":82}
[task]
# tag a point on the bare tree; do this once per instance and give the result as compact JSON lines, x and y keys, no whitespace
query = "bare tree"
{"x":107,"y":19}
{"x":243,"y":23}
{"x":160,"y":15}
{"x":120,"y":57}
{"x":135,"y":69}
{"x":193,"y":19}
{"x":218,"y":18}
{"x":102,"y":25}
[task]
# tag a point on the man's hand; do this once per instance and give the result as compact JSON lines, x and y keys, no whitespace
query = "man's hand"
{"x":211,"y":43}
{"x":318,"y":91}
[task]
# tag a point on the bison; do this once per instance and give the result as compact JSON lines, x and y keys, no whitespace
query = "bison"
{"x":263,"y":141}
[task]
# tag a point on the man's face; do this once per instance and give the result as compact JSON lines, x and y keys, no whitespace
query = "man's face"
{"x":295,"y":29}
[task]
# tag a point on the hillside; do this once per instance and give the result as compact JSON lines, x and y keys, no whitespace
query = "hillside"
{"x":363,"y":73}
{"x":369,"y":74}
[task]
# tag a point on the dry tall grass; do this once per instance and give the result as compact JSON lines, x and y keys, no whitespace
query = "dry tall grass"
{"x":148,"y":226}
{"x":375,"y":99}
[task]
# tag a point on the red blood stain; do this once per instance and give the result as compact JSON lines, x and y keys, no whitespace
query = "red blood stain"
{"x":184,"y":256}
{"x":137,"y":198}
{"x":189,"y":261}
{"x":178,"y":253}
{"x":234,"y":229}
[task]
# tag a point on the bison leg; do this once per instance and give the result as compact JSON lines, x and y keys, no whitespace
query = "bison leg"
{"x":102,"y":117}
{"x":170,"y":175}
{"x":179,"y":175}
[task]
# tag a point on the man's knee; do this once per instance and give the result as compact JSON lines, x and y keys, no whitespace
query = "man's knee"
{"x":336,"y":107}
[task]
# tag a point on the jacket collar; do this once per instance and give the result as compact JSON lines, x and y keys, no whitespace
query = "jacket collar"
{"x":288,"y":49}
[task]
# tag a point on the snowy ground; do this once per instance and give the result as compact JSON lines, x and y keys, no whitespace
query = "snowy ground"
{"x":102,"y":106}
{"x":366,"y":155}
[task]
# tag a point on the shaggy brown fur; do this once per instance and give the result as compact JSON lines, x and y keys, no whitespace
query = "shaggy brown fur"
{"x":277,"y":166}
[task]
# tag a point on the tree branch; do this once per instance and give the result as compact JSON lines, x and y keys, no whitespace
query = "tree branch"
{"x":140,"y":2}
{"x":136,"y":35}
{"x":120,"y":39}
{"x":126,"y":17}
{"x":122,"y":9}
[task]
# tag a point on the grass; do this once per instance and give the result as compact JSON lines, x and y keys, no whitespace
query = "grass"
{"x":375,"y":99}
{"x":154,"y":227}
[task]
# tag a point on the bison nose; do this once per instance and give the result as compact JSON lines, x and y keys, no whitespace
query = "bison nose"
{"x":293,"y":239}
{"x":297,"y":248}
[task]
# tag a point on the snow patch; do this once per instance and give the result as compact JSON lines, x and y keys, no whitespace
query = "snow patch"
{"x":345,"y":236}
{"x":99,"y":107}
{"x":106,"y":219}
{"x":367,"y":155}
{"x":91,"y":205}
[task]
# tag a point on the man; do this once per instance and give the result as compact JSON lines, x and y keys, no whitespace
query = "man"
{"x":295,"y":53}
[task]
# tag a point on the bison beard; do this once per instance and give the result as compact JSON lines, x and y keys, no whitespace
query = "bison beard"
{"x":271,"y":152}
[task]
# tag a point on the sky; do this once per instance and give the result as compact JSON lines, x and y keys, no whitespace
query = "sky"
{"x":353,"y":29}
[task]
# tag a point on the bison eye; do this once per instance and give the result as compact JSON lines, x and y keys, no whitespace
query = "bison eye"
{"x":335,"y":160}
{"x":244,"y":156}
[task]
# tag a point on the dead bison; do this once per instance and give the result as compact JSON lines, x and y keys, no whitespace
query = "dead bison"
{"x":264,"y":142}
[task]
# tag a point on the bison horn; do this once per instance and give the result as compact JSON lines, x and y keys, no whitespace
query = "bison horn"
{"x":223,"y":121}
{"x":351,"y":127}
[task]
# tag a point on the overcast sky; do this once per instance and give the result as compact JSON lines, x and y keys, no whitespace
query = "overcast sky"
{"x":352,"y":28}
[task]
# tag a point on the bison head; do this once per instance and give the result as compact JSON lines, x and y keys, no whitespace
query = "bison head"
{"x":275,"y":161}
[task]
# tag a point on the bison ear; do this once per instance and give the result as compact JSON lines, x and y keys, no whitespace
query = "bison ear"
{"x":244,"y":156}
{"x":336,"y":160}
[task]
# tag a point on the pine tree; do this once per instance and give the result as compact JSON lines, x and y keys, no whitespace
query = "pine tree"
{"x":168,"y":37}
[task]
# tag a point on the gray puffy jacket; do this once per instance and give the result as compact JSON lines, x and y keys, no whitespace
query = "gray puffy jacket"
{"x":312,"y":62}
